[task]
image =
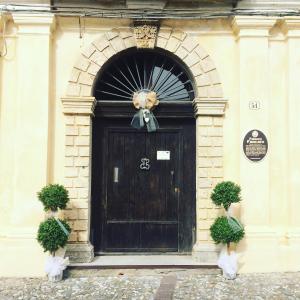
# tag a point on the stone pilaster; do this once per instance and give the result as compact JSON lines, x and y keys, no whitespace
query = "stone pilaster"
{"x":209,"y":166}
{"x":78,"y":112}
{"x":32,"y":115}
{"x":292,"y":25}
{"x":253,"y":34}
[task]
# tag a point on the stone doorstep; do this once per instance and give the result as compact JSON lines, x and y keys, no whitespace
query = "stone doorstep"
{"x":75,"y":272}
{"x":143,"y":262}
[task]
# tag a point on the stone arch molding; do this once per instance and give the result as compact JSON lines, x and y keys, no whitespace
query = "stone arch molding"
{"x":187,"y":48}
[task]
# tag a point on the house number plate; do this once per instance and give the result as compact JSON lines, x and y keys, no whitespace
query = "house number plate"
{"x":163,"y":155}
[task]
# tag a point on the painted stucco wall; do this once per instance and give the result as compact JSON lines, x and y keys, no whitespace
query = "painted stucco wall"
{"x":257,"y":59}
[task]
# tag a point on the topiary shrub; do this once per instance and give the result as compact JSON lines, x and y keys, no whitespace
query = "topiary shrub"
{"x":225,"y":193}
{"x":51,"y":236}
{"x":53,"y":197}
{"x":222,"y":232}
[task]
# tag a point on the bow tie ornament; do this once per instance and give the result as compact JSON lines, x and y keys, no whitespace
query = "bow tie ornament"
{"x":145,"y":102}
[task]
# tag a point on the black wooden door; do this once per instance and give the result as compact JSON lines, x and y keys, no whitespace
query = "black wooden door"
{"x":143,"y":188}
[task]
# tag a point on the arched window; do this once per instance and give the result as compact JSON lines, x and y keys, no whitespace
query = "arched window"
{"x":144,"y":70}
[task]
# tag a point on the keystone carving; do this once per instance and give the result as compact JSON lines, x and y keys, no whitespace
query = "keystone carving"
{"x":145,"y":35}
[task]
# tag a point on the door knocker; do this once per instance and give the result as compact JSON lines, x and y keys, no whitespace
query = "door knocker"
{"x":145,"y":164}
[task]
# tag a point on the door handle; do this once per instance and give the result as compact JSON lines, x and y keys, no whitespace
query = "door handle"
{"x":116,"y":174}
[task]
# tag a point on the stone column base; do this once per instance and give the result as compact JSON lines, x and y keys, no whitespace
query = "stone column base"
{"x":80,"y":253}
{"x":206,"y":253}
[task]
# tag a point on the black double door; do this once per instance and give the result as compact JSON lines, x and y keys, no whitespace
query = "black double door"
{"x":143,"y":187}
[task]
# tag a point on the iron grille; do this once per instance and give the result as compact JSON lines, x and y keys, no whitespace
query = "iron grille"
{"x":138,"y":70}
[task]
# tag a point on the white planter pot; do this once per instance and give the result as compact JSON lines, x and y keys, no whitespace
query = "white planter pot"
{"x":56,"y":278}
{"x":228,"y":263}
{"x":55,"y":265}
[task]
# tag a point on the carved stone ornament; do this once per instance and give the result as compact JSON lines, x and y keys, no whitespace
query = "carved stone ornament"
{"x":145,"y":35}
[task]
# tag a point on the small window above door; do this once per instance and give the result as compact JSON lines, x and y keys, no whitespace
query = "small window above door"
{"x":135,"y":71}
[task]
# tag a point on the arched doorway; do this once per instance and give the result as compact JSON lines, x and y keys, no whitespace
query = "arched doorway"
{"x":136,"y":209}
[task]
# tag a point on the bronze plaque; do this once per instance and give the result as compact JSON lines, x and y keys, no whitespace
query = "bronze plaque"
{"x":255,"y":145}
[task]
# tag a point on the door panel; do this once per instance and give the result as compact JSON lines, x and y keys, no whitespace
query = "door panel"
{"x":136,"y":208}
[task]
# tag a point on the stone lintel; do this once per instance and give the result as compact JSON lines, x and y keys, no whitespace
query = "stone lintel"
{"x":209,"y":107}
{"x":78,"y":105}
{"x":80,"y":252}
{"x":253,"y":26}
{"x":34,"y":23}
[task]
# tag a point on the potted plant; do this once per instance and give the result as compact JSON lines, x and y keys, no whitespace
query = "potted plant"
{"x":227,"y":229}
{"x":53,"y":233}
{"x":54,"y":197}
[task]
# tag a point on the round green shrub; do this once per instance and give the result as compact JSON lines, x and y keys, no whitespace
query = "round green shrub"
{"x":53,"y":197}
{"x":221,"y":232}
{"x":51,"y":236}
{"x":225,"y":193}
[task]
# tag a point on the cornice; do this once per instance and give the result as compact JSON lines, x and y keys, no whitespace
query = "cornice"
{"x":34,"y":23}
{"x":292,"y":26}
{"x":209,"y":107}
{"x":78,"y":105}
{"x":252,"y":26}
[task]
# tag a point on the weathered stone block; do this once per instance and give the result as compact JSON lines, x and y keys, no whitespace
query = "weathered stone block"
{"x":82,"y":63}
{"x":86,"y":78}
{"x":74,"y":75}
{"x":71,"y":130}
{"x":118,"y":44}
{"x":68,"y":182}
{"x":84,"y":151}
{"x":69,"y":141}
{"x":83,"y":236}
{"x":80,"y":253}
{"x":192,"y":59}
{"x":69,"y":162}
{"x":84,"y":130}
{"x":98,"y":58}
{"x":71,"y":172}
{"x":82,"y":140}
{"x":71,"y":214}
{"x":81,"y":182}
{"x":218,"y":121}
{"x":72,"y":193}
{"x":83,"y":214}
{"x":80,"y":203}
{"x":82,"y":161}
{"x":83,"y":193}
{"x":80,"y":225}
{"x":93,"y":69}
{"x":71,"y":151}
{"x":73,"y":89}
{"x":73,"y":236}
{"x":172,"y":44}
{"x":129,"y":42}
{"x":88,"y":51}
{"x":190,"y":44}
{"x":205,"y":121}
{"x":83,"y":120}
{"x":101,"y":43}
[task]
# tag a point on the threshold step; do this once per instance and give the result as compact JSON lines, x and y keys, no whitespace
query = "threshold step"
{"x":142,"y":262}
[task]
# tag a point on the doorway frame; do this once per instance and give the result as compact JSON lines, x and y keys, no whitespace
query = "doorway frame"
{"x":78,"y":108}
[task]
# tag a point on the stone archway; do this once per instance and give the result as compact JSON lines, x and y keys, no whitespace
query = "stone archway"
{"x":78,"y":106}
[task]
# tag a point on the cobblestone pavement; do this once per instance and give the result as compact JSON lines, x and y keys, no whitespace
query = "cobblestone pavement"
{"x":146,"y":284}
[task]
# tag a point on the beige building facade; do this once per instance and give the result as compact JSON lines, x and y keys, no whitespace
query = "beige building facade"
{"x":245,"y":70}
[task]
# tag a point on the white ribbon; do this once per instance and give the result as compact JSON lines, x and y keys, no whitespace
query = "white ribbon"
{"x":55,"y":265}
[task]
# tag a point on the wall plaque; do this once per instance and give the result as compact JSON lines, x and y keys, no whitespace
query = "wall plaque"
{"x":255,"y":145}
{"x":163,"y":155}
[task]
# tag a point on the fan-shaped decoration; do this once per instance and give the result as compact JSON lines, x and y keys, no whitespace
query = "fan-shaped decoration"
{"x":144,"y":71}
